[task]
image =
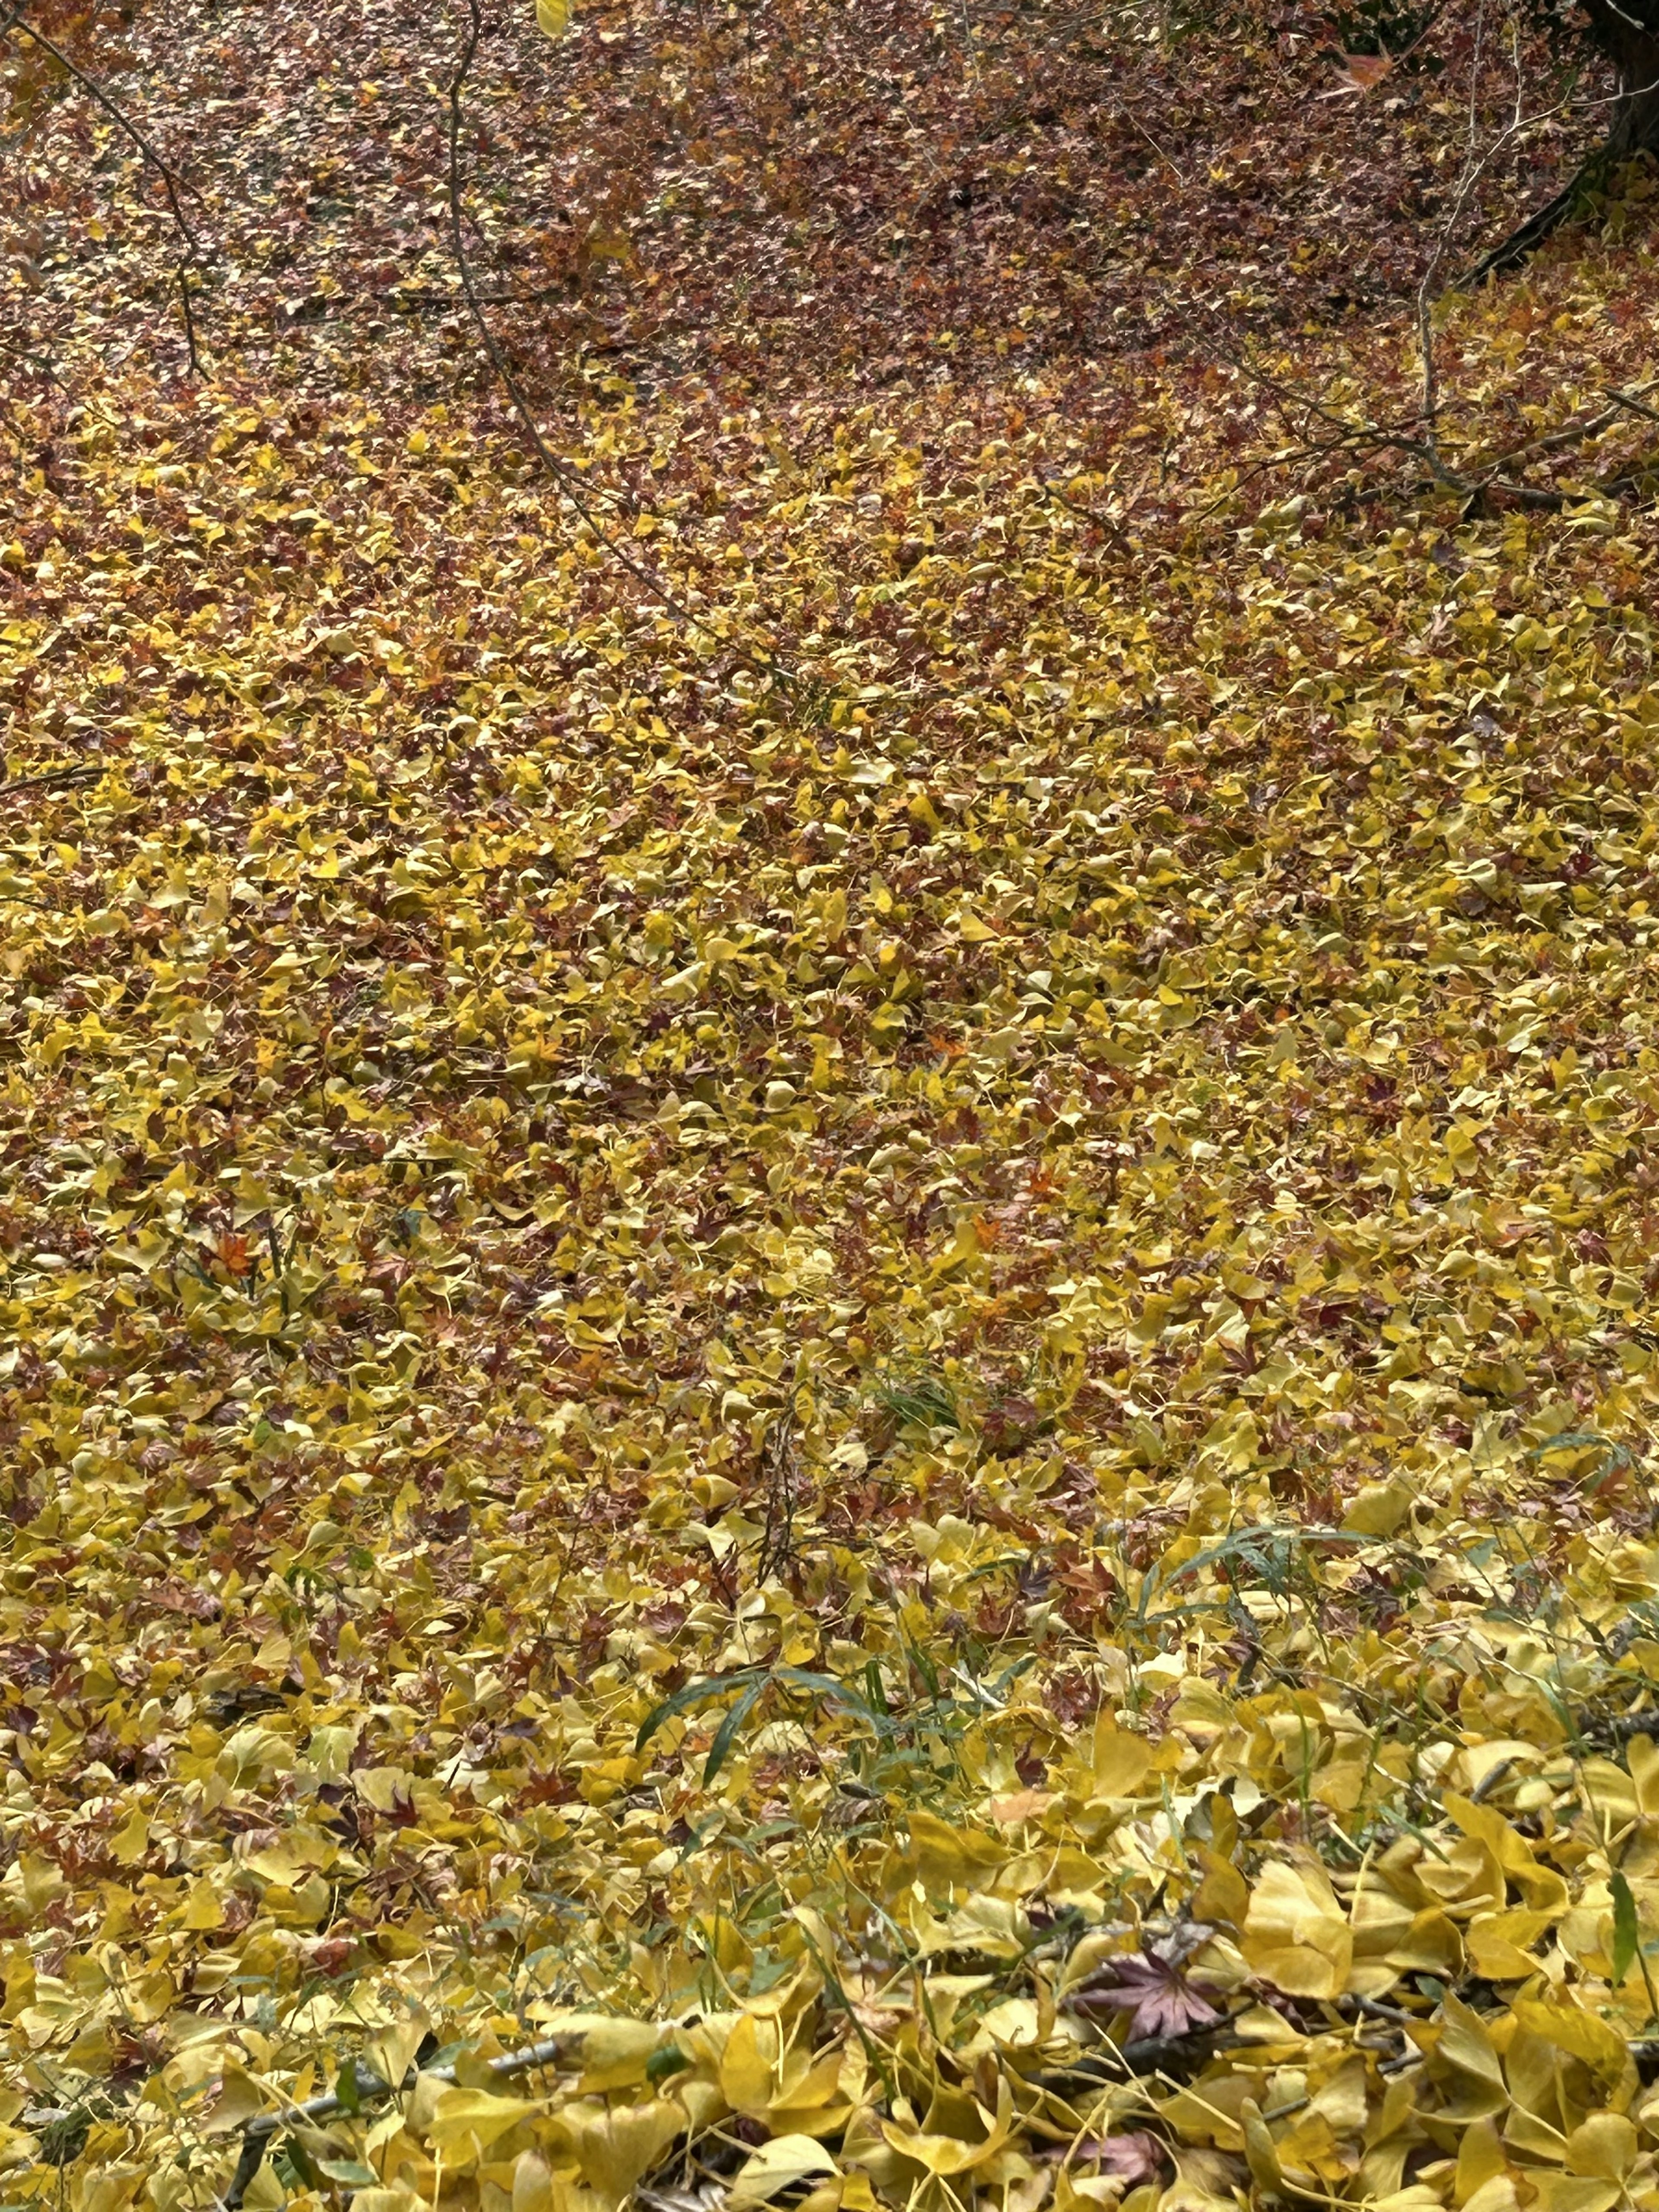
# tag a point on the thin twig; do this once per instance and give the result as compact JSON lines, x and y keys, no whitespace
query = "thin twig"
{"x":1537,"y":227}
{"x":189,"y":319}
{"x":1576,"y":434}
{"x":17,"y":21}
{"x":1086,"y":513}
{"x":1471,"y":169}
{"x":1363,"y":439}
{"x":779,"y":1470}
{"x":1174,"y":167}
{"x":972,"y":50}
{"x":563,"y":476}
{"x":34,"y":360}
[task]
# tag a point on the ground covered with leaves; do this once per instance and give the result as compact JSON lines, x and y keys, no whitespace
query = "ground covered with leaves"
{"x":880,"y":1362}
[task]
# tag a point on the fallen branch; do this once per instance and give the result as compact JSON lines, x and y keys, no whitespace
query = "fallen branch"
{"x":34,"y":360}
{"x":1576,"y":433}
{"x":368,"y":2087}
{"x":48,"y":779}
{"x":1362,"y":439}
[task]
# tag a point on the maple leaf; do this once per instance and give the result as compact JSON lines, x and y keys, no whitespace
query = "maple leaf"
{"x":1150,"y":1986}
{"x":1130,"y":2158}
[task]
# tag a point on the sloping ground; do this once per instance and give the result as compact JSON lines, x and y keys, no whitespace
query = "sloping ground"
{"x":837,"y":1391}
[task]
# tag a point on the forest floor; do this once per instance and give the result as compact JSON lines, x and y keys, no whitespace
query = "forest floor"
{"x":835,"y":1285}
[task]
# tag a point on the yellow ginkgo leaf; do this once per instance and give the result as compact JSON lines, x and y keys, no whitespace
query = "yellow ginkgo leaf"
{"x":778,"y":2165}
{"x":1606,"y":2147}
{"x":465,"y":2123}
{"x":1579,"y":2033}
{"x":616,"y":2147}
{"x":956,"y":2152}
{"x":1296,"y":1934}
{"x":553,"y":17}
{"x":749,"y":2064}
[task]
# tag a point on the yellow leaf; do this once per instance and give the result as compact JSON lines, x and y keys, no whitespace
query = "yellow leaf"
{"x":130,"y":1841}
{"x":1378,"y":1508}
{"x":616,"y":2150}
{"x":1481,"y":2155}
{"x":203,"y":1910}
{"x":1499,"y":1944}
{"x":1120,"y":1763}
{"x":553,"y":17}
{"x":1260,"y":2152}
{"x":1495,"y":2194}
{"x":944,"y":1856}
{"x":294,"y":1855}
{"x":41,"y":1880}
{"x":391,"y":2052}
{"x":1464,"y":2043}
{"x":614,"y":2052}
{"x":1579,"y":2033}
{"x":533,"y":2182}
{"x":1569,"y":2193}
{"x":1642,"y":1756}
{"x":818,"y":2101}
{"x":1224,"y":1894}
{"x":749,"y":2065}
{"x":239,"y":2099}
{"x":465,"y":2122}
{"x":1542,"y":1886}
{"x":1296,"y":1934}
{"x":779,"y":2164}
{"x":954,"y":2154}
{"x":1605,"y":2146}
{"x":1477,"y":2090}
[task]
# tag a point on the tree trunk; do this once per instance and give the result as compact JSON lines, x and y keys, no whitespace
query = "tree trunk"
{"x":1627,"y":33}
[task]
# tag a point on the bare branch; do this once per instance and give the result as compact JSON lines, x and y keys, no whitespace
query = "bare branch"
{"x":368,"y":2088}
{"x":170,"y":181}
{"x":49,"y":779}
{"x":566,"y":478}
{"x":17,"y":21}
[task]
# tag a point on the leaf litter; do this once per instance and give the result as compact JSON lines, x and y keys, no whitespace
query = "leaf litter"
{"x":878,"y":1438}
